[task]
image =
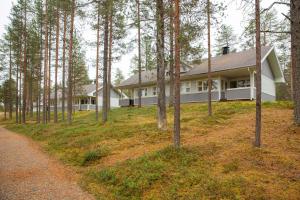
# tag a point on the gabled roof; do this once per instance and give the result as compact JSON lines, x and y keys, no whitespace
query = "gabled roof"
{"x":85,"y":90}
{"x":230,"y":61}
{"x":149,"y":76}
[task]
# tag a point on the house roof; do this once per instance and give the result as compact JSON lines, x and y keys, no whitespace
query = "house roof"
{"x":219,"y":63}
{"x":230,"y":61}
{"x":85,"y":90}
{"x":150,"y":76}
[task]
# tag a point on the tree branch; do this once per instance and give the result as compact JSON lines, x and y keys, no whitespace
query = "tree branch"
{"x":277,"y":32}
{"x":273,"y":4}
{"x":287,"y":17}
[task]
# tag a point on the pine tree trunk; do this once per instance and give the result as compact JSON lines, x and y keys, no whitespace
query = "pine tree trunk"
{"x":20,"y":88}
{"x":45,"y":65}
{"x":10,"y":82}
{"x":70,"y":70}
{"x":30,"y":98}
{"x":17,"y":90}
{"x":295,"y":16}
{"x":161,"y":105}
{"x":40,"y":69}
{"x":109,"y":57}
{"x":139,"y":54}
{"x":209,"y":59}
{"x":171,"y":26}
{"x":56,"y":65}
{"x":49,"y":75}
{"x":97,"y":63}
{"x":258,"y":76}
{"x":25,"y":68}
{"x":177,"y":76}
{"x":64,"y":67}
{"x":105,"y":59}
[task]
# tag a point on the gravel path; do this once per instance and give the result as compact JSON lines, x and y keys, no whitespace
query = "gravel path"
{"x":27,"y":173}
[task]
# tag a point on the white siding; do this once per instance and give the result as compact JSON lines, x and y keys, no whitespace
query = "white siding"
{"x":267,"y":80}
{"x":268,"y":85}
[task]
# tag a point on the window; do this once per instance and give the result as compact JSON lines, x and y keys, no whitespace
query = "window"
{"x":200,"y":86}
{"x":185,"y":87}
{"x":154,"y":92}
{"x":214,"y":85}
{"x":241,"y":83}
{"x":205,"y":86}
{"x":233,"y":84}
{"x":145,"y":92}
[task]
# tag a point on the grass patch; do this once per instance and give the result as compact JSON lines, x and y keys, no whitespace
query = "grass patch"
{"x":94,"y":155}
{"x":231,"y":167}
{"x":170,"y":174}
{"x":214,"y":166}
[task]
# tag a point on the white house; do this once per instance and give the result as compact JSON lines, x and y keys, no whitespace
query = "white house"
{"x":233,"y":77}
{"x":85,"y":98}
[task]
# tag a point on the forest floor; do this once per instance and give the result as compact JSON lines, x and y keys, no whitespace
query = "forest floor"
{"x":129,"y":158}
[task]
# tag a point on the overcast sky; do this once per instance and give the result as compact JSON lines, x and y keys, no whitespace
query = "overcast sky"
{"x":234,"y":18}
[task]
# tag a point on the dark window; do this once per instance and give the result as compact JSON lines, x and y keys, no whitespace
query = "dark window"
{"x":233,"y":84}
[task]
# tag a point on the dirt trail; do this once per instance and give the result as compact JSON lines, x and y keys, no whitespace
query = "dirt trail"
{"x":27,"y":173}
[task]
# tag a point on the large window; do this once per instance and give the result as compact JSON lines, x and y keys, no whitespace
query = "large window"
{"x":200,"y":86}
{"x":240,"y":83}
{"x":154,"y":91}
{"x":185,"y":87}
{"x":204,"y":87}
{"x":145,"y":92}
{"x":214,"y":84}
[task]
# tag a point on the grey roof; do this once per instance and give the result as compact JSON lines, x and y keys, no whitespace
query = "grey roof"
{"x":220,"y":63}
{"x":230,"y":61}
{"x":149,"y":76}
{"x":85,"y":90}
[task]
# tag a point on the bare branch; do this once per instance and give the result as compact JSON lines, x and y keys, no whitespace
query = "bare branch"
{"x":287,"y":17}
{"x":276,"y":32}
{"x":273,"y":4}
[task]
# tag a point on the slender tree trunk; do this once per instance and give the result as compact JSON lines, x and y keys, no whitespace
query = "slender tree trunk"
{"x":104,"y":104}
{"x":139,"y":54}
{"x":49,"y":75}
{"x":25,"y":68}
{"x":45,"y":66}
{"x":97,"y":63}
{"x":258,"y":76}
{"x":5,"y":101}
{"x":64,"y":67}
{"x":56,"y":64}
{"x":40,"y":69}
{"x":70,"y":74}
{"x":17,"y":89}
{"x":177,"y":76}
{"x":295,"y":16}
{"x":30,"y":90}
{"x":110,"y":57}
{"x":209,"y":59}
{"x":161,"y":105}
{"x":10,"y":82}
{"x":171,"y":62}
{"x":20,"y":89}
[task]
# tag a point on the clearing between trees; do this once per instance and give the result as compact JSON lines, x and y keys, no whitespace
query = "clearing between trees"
{"x":129,"y":158}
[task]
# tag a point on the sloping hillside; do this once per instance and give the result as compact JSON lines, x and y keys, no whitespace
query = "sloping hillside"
{"x":128,"y":158}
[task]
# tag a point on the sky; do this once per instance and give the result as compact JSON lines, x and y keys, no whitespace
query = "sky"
{"x":234,"y":17}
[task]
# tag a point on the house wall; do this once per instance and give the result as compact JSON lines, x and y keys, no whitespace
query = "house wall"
{"x":268,"y":83}
{"x":193,"y":96}
{"x":114,"y":98}
{"x":238,"y":94}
